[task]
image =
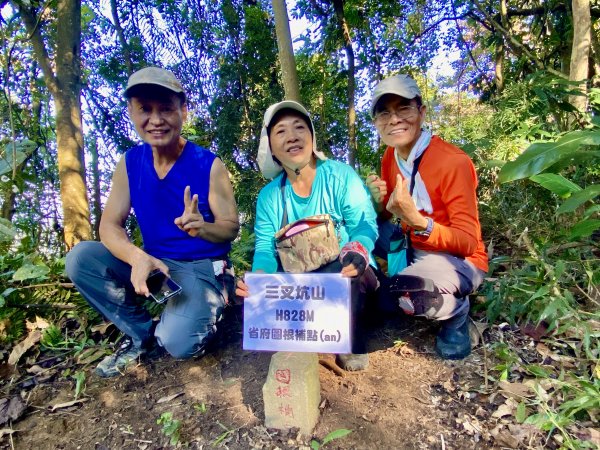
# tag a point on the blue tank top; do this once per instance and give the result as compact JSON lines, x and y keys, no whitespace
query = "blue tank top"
{"x":157,"y":203}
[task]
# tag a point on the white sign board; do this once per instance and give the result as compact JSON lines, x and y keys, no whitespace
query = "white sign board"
{"x":297,"y":313}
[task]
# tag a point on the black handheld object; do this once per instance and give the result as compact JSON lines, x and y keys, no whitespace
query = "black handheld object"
{"x":161,"y":287}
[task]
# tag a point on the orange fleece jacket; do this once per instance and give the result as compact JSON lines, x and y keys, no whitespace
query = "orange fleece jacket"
{"x":451,"y":181}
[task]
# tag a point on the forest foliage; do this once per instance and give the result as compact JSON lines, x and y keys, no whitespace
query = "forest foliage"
{"x":508,"y":100}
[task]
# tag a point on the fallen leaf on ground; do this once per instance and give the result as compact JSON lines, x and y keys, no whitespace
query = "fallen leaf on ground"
{"x":535,"y":331}
{"x":480,"y":412}
{"x":102,"y":327}
{"x":506,"y":409}
{"x":66,"y":404}
{"x":506,"y":439}
{"x":480,"y":326}
{"x":35,"y":369}
{"x":4,"y":325}
{"x":547,"y":353}
{"x":168,"y":398}
{"x":524,"y":433}
{"x":472,"y":426}
{"x":31,"y":339}
{"x":11,"y":409}
{"x":6,"y":370}
{"x":541,"y":387}
{"x":518,"y":390}
{"x":37,"y":324}
{"x":448,"y":386}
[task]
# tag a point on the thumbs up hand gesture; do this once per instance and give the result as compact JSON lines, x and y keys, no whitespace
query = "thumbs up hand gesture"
{"x":402,"y":206}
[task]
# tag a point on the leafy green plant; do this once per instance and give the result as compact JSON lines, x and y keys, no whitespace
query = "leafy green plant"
{"x":32,"y":284}
{"x":336,"y":434}
{"x":242,"y":250}
{"x":52,"y":337}
{"x":200,"y":407}
{"x":553,"y":283}
{"x":170,"y":427}
{"x":534,"y":107}
{"x":79,"y":383}
{"x":223,"y":435}
{"x":507,"y":357}
{"x":398,"y":344}
{"x":582,"y":396}
{"x":573,"y":147}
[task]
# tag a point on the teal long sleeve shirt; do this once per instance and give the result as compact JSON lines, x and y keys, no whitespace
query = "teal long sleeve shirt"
{"x":337,"y":190}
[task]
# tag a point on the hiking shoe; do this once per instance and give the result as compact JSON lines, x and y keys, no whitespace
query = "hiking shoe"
{"x":410,"y":283}
{"x":126,"y":355}
{"x":353,"y":362}
{"x":416,"y":296}
{"x":453,"y":340}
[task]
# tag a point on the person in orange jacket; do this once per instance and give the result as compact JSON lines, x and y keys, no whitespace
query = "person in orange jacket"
{"x":427,"y":205}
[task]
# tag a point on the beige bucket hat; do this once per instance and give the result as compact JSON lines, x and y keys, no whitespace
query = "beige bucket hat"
{"x":268,"y":167}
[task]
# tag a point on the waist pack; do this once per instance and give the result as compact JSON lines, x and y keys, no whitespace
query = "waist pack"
{"x":307,"y":244}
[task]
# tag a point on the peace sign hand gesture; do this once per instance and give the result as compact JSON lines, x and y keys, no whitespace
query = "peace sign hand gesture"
{"x":191,"y":221}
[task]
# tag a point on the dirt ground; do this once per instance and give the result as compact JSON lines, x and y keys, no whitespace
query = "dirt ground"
{"x":407,"y":399}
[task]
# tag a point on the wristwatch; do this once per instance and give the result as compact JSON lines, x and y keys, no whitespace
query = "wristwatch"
{"x":427,"y":231}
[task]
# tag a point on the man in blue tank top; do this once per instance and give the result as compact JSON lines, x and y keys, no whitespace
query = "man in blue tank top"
{"x":184,"y":204}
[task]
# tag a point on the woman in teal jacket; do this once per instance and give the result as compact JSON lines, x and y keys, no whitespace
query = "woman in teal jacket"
{"x":314,"y":185}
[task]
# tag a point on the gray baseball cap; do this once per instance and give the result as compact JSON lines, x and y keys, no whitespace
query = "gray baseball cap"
{"x":268,"y":167}
{"x":157,"y":76}
{"x":401,"y":85}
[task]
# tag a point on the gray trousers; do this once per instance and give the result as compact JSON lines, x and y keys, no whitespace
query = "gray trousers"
{"x":188,"y":320}
{"x":455,"y":277}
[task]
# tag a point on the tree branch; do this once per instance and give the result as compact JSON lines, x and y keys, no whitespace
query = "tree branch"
{"x":437,"y":24}
{"x":121,"y":37}
{"x":595,"y":12}
{"x":517,"y":47}
{"x":462,"y":39}
{"x":32,"y":26}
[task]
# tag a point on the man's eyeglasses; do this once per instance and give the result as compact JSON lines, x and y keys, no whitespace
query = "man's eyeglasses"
{"x":401,"y":112}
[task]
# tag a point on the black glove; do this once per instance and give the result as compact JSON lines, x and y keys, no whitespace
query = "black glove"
{"x":357,"y":260}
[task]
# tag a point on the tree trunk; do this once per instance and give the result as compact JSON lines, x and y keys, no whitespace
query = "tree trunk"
{"x":499,"y":68}
{"x":580,"y":51}
{"x":499,"y":56}
{"x":65,"y":87}
{"x":69,"y":136}
{"x":338,"y":6}
{"x":286,"y":51}
{"x":596,"y":58}
{"x":8,"y":205}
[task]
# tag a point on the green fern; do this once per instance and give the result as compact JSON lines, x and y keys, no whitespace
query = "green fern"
{"x":52,"y":337}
